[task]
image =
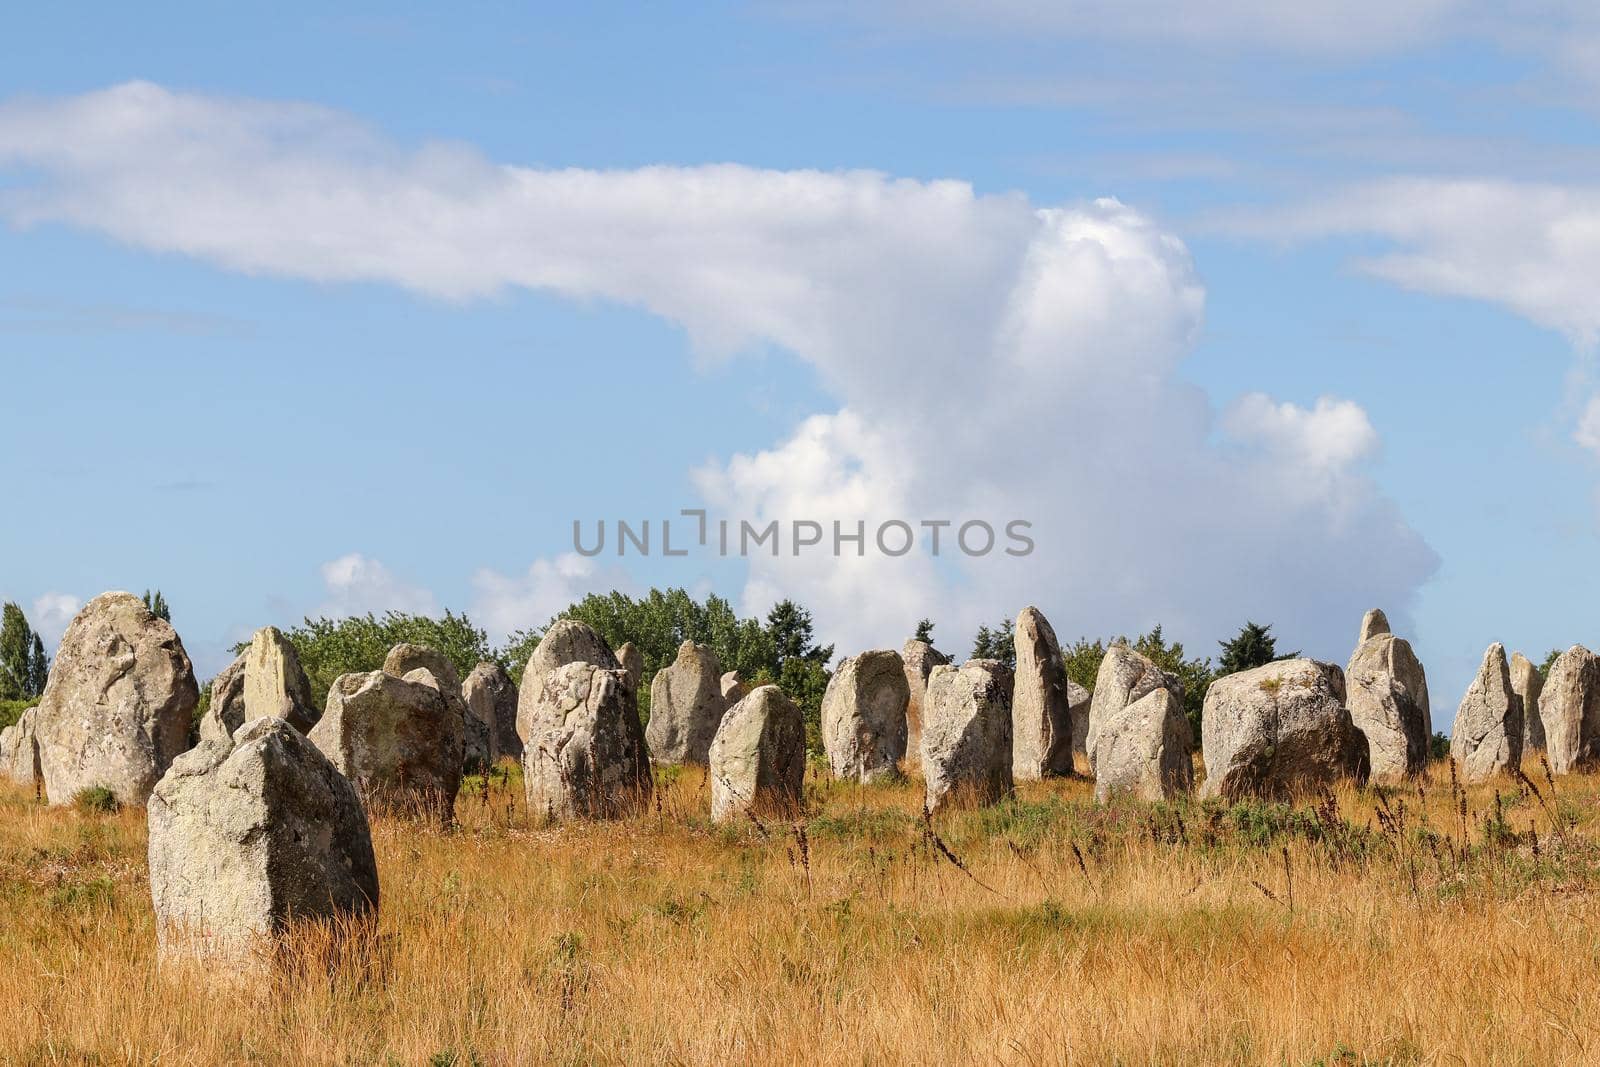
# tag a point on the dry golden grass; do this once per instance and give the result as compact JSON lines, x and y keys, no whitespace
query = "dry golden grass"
{"x":1132,"y":934}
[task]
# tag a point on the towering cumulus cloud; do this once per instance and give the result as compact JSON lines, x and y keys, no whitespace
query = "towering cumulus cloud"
{"x":990,"y":358}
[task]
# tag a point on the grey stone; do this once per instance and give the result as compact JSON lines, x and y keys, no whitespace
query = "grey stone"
{"x":119,"y":703}
{"x":250,"y":835}
{"x":1124,"y":677}
{"x":685,"y":706}
{"x":265,"y":680}
{"x":1387,"y":693}
{"x":1041,"y":705}
{"x":405,"y":658}
{"x":864,"y":716}
{"x":733,"y":689}
{"x":397,"y":739}
{"x":585,"y":753}
{"x":920,"y":659}
{"x":966,"y":735}
{"x":566,"y":641}
{"x":1373,"y":623}
{"x":630,"y":659}
{"x":491,"y":697}
{"x":1487,"y":737}
{"x":1528,"y":683}
{"x":1144,"y":750}
{"x":19,"y":752}
{"x":1080,"y":700}
{"x":1279,"y":730}
{"x":1569,"y":710}
{"x":758,"y":758}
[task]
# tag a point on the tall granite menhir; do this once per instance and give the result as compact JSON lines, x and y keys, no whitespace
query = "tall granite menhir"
{"x":864,"y":716}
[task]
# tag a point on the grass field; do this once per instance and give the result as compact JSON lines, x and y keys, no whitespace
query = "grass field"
{"x":1362,"y":928}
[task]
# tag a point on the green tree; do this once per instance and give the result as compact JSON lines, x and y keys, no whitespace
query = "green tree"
{"x":924,"y":631}
{"x":1253,"y":646}
{"x":156,"y":604}
{"x":1083,"y":660}
{"x":1549,"y":661}
{"x":1000,"y":644}
{"x":24,"y":667}
{"x":331,"y":647}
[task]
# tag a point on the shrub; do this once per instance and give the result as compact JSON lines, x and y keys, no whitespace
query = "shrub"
{"x":95,"y":800}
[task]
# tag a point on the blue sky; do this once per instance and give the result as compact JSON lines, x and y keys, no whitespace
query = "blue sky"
{"x":1254,"y":313}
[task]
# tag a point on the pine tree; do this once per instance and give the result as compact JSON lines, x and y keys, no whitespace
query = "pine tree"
{"x":23,"y":666}
{"x":924,"y":631}
{"x":1254,"y":646}
{"x":157,"y":605}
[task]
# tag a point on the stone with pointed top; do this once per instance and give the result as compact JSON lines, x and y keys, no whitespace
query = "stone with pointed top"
{"x":491,"y":697}
{"x":1387,"y":694}
{"x":1041,"y":703}
{"x":1487,"y":737}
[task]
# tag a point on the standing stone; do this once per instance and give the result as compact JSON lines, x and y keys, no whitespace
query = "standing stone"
{"x":225,"y":713}
{"x":1079,"y":700}
{"x":19,"y":752}
{"x":491,"y":697}
{"x":920,"y":660}
{"x":1144,"y":750}
{"x":266,"y":679}
{"x":864,"y":716}
{"x":585,"y":755}
{"x":1487,"y":737}
{"x":567,"y":641}
{"x":1041,"y":706}
{"x":119,"y":703}
{"x":1278,"y":730}
{"x":685,"y":706}
{"x":1124,"y":677}
{"x":405,"y":658}
{"x":397,"y":739}
{"x":733,"y":690}
{"x":1388,"y":699}
{"x":1373,"y":623}
{"x":250,"y":834}
{"x":275,"y":684}
{"x":966,"y":734}
{"x":1569,"y":710}
{"x":758,"y":758}
{"x":1527,"y":683}
{"x":630,"y":659}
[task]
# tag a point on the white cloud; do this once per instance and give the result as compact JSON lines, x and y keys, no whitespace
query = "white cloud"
{"x":991,"y":359}
{"x":51,"y":614}
{"x":1588,"y":432}
{"x":357,"y":584}
{"x":503,"y":604}
{"x":1310,"y":26}
{"x":1531,"y":247}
